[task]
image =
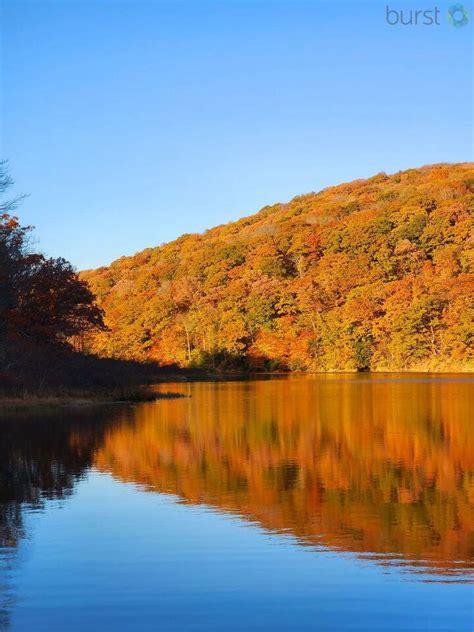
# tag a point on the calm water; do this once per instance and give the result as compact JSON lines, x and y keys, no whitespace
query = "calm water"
{"x":305,"y":503}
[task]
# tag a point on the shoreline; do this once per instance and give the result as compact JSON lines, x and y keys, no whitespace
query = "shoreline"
{"x":144,"y":393}
{"x":31,"y":401}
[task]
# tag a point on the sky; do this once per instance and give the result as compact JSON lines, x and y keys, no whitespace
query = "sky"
{"x":131,"y":123}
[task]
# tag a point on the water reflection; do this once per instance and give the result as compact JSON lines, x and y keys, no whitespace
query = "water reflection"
{"x":383,"y":468}
{"x":41,"y":459}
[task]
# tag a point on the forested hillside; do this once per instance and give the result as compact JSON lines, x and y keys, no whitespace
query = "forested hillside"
{"x":375,"y":273}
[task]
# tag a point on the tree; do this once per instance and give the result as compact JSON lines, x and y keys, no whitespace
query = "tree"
{"x":41,"y":299}
{"x":52,"y":303}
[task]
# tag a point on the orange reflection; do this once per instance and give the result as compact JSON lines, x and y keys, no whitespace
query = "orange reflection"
{"x":367,"y":465}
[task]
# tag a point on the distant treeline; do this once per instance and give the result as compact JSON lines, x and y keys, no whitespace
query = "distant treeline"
{"x":373,"y":274}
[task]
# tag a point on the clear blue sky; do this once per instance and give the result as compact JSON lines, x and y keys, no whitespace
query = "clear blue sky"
{"x":130,"y":123}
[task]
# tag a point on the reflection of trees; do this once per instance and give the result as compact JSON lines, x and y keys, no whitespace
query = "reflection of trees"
{"x":379,"y":469}
{"x":371,"y":468}
{"x":40,"y":459}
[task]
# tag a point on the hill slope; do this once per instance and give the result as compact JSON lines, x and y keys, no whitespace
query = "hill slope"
{"x":375,"y":273}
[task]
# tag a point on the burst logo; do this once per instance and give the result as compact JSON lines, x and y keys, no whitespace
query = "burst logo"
{"x":458,"y":15}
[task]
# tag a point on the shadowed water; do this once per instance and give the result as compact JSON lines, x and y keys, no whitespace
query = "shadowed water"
{"x":301,"y":503}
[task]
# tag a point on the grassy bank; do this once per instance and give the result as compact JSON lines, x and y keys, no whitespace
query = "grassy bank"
{"x":27,"y":400}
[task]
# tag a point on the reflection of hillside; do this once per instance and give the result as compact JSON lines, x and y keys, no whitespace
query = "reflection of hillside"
{"x":363,"y":466}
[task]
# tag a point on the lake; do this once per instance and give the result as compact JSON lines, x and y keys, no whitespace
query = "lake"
{"x":337,"y":502}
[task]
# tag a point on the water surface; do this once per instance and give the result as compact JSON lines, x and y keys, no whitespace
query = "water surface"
{"x":301,"y":503}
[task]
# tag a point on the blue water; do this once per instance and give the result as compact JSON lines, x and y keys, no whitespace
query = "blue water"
{"x":105,"y":525}
{"x":114,"y":557}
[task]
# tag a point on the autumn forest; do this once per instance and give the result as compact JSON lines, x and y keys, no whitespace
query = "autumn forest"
{"x":374,"y":274}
